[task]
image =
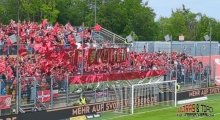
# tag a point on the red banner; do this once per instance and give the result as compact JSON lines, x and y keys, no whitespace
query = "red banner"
{"x":112,"y":55}
{"x":121,"y":55}
{"x":98,"y":56}
{"x":91,"y":56}
{"x":124,"y":54}
{"x":105,"y":55}
{"x":77,"y":52}
{"x":5,"y":101}
{"x":79,"y":79}
{"x":215,"y":59}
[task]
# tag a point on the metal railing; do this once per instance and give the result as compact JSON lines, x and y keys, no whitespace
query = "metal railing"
{"x":69,"y":94}
{"x":114,"y":36}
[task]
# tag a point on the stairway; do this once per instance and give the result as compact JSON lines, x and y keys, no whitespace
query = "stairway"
{"x":108,"y":35}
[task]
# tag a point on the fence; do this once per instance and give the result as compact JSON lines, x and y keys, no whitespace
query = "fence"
{"x":65,"y":94}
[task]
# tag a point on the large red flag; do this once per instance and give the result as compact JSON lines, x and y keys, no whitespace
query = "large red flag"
{"x":22,"y":51}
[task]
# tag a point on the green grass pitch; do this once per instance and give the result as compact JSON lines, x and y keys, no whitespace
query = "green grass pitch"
{"x":164,"y":112}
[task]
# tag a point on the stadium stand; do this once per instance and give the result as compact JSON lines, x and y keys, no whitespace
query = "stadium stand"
{"x":46,"y":52}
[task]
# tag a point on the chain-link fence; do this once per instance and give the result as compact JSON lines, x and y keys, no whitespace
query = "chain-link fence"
{"x":192,"y":77}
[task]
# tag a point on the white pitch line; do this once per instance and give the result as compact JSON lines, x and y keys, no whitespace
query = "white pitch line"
{"x":138,"y":113}
{"x":204,"y":117}
{"x":154,"y":110}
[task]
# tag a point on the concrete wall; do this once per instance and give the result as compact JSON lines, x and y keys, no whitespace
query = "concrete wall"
{"x":200,"y":48}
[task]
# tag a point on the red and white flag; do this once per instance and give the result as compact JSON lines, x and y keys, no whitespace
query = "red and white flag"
{"x":5,"y":102}
{"x":55,"y":93}
{"x":44,"y":96}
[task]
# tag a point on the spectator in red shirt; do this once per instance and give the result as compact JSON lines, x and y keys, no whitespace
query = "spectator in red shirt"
{"x":97,"y":28}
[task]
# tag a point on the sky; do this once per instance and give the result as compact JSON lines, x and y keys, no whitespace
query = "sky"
{"x":163,"y":7}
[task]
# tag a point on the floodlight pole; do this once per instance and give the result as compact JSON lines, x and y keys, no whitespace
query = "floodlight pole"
{"x":17,"y":63}
{"x":171,"y":47}
{"x":17,"y":71}
{"x":95,"y":11}
{"x":210,"y":43}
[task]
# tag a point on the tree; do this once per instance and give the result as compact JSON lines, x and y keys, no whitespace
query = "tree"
{"x":163,"y":28}
{"x":10,"y":10}
{"x":74,"y":11}
{"x":49,"y":11}
{"x":2,"y":11}
{"x":122,"y":17}
{"x":27,"y":9}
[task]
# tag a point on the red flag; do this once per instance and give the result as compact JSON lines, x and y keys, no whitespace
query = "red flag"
{"x":42,"y":50}
{"x":53,"y":55}
{"x":44,"y":96}
{"x":55,"y":93}
{"x":48,"y":66}
{"x":84,"y":45}
{"x":37,"y":46}
{"x":5,"y":101}
{"x":73,"y":44}
{"x":9,"y":43}
{"x":68,"y":54}
{"x":22,"y":51}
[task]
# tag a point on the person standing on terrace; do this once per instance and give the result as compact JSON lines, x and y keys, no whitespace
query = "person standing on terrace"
{"x":97,"y":28}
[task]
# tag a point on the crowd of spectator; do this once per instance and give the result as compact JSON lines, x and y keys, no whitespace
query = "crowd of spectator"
{"x":44,"y":38}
